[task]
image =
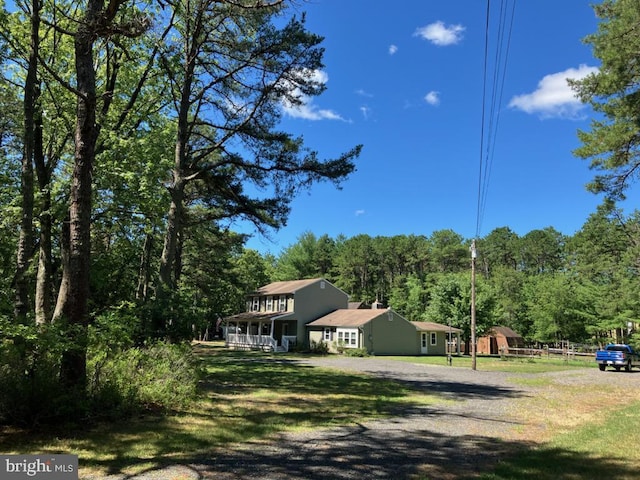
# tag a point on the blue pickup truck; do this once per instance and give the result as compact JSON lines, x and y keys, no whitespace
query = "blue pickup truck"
{"x":617,"y":355}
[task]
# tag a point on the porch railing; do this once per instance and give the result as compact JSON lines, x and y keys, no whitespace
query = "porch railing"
{"x":251,"y":341}
{"x":288,"y":341}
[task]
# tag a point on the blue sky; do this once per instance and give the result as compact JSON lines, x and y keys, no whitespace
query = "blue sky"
{"x":407,"y":83}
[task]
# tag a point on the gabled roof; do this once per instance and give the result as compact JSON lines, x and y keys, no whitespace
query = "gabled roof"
{"x":283,"y":288}
{"x":504,"y":331}
{"x":434,"y":327}
{"x":345,"y":317}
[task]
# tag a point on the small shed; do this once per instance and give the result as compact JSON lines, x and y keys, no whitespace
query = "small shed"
{"x":499,"y":339}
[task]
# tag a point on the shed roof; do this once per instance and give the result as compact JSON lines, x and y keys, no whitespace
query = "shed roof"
{"x":504,"y":331}
{"x":288,"y":286}
{"x":434,"y":327}
{"x":345,"y":317}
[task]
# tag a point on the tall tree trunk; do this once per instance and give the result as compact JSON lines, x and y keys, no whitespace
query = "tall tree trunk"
{"x":64,"y":260}
{"x":144,"y":274}
{"x":25,"y":240}
{"x":74,"y":304}
{"x":174,"y":226}
{"x":44,"y":276}
{"x":175,"y":219}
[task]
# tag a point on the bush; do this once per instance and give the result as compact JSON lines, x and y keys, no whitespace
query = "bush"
{"x":30,"y":390}
{"x":122,"y":379}
{"x":356,"y":352}
{"x":160,"y":376}
{"x":321,"y":348}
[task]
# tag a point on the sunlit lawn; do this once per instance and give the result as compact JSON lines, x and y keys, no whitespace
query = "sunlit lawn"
{"x":244,"y":396}
{"x":252,"y":395}
{"x":509,"y":364}
{"x":603,"y":448}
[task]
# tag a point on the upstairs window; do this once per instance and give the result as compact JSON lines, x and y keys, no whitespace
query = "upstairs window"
{"x":255,"y":304}
{"x":269,"y":304}
{"x":282,"y":303}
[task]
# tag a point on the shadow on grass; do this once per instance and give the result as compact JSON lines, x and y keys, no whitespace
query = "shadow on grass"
{"x":248,"y":396}
{"x":357,"y":452}
{"x":560,"y":464}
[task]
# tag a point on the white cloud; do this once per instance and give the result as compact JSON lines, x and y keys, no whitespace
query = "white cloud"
{"x":440,"y":34}
{"x":307,"y":109}
{"x":392,"y":49}
{"x":359,"y":212}
{"x":554,"y":97}
{"x":366,"y":111}
{"x":432,"y":98}
{"x":364,"y":93}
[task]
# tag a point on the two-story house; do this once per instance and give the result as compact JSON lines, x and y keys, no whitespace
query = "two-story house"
{"x":302,"y":312}
{"x":277,"y":313}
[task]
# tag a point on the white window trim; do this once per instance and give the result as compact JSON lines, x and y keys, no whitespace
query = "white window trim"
{"x":255,"y":304}
{"x":326,"y":334}
{"x":349,"y":337}
{"x":282,"y":303}
{"x":434,"y":338}
{"x":269,"y":303}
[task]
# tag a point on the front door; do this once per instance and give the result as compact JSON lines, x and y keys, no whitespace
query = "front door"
{"x":423,"y":342}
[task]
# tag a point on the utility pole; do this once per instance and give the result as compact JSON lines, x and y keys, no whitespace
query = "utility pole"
{"x":473,"y":304}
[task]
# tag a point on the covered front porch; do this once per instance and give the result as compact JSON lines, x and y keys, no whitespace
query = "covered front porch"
{"x":260,"y":331}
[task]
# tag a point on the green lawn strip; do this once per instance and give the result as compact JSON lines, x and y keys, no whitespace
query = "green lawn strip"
{"x":606,"y":448}
{"x":244,"y":396}
{"x":510,"y":364}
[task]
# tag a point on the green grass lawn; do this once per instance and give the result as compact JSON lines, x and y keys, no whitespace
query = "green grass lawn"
{"x":252,"y":395}
{"x":606,"y":448}
{"x":508,"y":364}
{"x":244,"y":396}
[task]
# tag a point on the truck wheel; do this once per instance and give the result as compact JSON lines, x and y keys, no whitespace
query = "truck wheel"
{"x":602,"y":367}
{"x":628,"y":366}
{"x":617,"y":367}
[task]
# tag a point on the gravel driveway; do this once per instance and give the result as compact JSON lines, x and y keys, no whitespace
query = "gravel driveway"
{"x":448,"y":440}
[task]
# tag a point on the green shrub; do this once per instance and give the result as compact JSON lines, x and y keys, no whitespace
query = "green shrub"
{"x":356,"y":352}
{"x":160,"y":376}
{"x":30,"y":390}
{"x":321,"y":348}
{"x":122,"y":379}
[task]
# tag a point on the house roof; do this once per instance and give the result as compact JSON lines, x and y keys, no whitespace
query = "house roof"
{"x":358,"y":305}
{"x":504,"y":331}
{"x":345,"y":317}
{"x":283,"y":288}
{"x":248,"y":316}
{"x":434,"y":327}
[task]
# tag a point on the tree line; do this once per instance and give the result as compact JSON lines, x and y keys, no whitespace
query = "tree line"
{"x":547,"y":286}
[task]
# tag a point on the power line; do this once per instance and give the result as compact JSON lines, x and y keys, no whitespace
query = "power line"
{"x":490,"y":120}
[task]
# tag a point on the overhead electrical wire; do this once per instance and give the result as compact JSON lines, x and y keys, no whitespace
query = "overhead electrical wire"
{"x":491,"y":110}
